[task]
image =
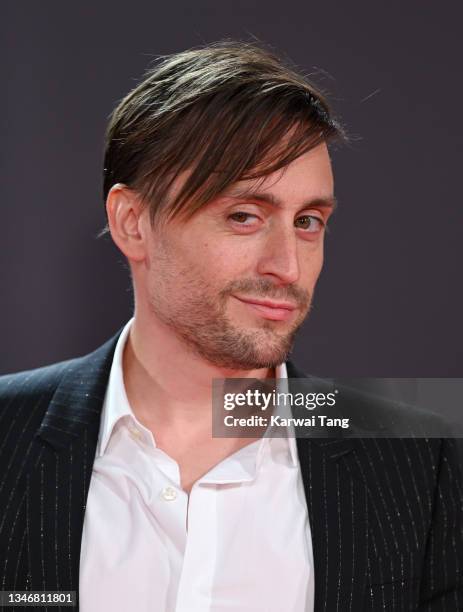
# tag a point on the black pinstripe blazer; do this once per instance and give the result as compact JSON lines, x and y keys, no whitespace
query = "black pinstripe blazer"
{"x":386,"y":515}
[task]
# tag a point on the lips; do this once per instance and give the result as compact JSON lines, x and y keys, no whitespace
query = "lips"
{"x":275,"y":311}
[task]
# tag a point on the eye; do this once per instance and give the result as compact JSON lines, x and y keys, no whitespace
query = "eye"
{"x":310,"y":223}
{"x":241,"y":217}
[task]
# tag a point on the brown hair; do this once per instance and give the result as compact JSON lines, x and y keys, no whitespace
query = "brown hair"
{"x":224,"y":112}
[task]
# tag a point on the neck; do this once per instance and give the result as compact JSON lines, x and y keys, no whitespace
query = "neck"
{"x":167,"y":384}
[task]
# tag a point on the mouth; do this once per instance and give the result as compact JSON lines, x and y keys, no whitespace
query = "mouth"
{"x":274,"y":311}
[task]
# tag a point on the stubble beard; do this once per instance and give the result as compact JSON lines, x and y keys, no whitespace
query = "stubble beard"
{"x":202,"y":324}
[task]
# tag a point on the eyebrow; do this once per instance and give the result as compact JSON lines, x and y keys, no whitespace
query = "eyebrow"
{"x":273,"y":200}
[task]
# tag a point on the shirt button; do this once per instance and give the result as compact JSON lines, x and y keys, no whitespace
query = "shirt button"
{"x":169,"y":494}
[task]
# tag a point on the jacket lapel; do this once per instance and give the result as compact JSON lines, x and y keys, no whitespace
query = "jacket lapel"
{"x":336,"y":498}
{"x":59,"y":480}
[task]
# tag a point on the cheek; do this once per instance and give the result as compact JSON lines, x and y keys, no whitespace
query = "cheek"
{"x":224,"y":259}
{"x":311,"y":266}
{"x":199,"y":272}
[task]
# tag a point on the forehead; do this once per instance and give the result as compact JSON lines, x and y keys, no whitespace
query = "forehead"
{"x":308,"y":176}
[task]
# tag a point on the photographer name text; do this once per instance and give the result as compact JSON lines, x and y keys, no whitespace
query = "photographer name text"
{"x":316,"y":420}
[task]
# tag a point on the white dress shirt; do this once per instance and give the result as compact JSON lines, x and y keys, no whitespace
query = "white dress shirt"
{"x":247,"y":546}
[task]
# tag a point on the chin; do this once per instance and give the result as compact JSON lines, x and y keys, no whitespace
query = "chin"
{"x":245,"y":354}
{"x":272,"y":360}
{"x":259,"y":357}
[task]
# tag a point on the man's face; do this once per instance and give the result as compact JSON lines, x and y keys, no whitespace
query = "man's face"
{"x":236,"y":280}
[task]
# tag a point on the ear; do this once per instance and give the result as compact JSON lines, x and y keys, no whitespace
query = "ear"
{"x":124,"y":210}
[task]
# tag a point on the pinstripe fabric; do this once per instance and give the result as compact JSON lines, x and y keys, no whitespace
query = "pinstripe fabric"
{"x":386,"y":515}
{"x":49,"y":420}
{"x":387,"y":522}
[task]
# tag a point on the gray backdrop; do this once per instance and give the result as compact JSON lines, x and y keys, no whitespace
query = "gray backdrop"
{"x":390,"y":299}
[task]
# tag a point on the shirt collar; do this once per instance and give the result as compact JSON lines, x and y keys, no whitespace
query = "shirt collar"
{"x":271,"y":436}
{"x":116,"y":404}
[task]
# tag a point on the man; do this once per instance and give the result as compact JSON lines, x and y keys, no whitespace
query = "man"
{"x":218,"y":189}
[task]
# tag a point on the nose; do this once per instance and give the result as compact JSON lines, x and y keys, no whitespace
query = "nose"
{"x":279,"y":257}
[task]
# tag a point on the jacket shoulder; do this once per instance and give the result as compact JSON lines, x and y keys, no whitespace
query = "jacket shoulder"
{"x":25,"y":397}
{"x":32,"y":383}
{"x":24,"y":400}
{"x":45,"y":380}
